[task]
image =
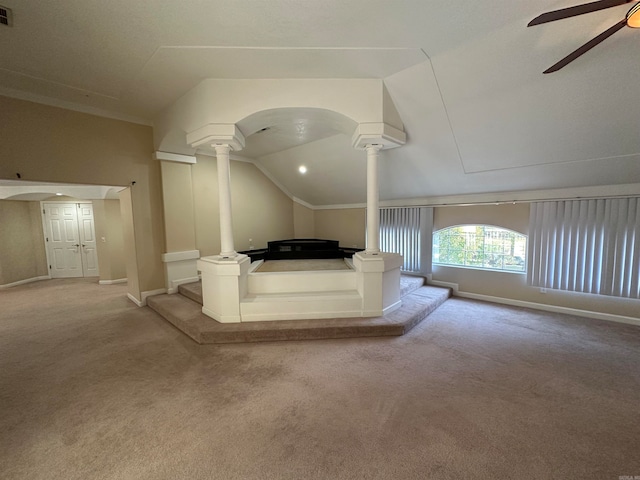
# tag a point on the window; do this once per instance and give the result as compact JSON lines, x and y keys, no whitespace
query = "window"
{"x":480,"y":246}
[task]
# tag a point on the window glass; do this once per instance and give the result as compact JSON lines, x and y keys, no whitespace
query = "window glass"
{"x":480,"y":246}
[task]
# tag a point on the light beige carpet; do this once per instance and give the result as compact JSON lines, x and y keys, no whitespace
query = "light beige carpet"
{"x":303,"y":265}
{"x":92,"y":387}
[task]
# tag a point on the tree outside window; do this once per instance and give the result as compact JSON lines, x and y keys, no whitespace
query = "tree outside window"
{"x":480,"y":246}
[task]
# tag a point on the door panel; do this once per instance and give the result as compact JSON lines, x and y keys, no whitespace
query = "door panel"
{"x":88,"y":240}
{"x":70,"y":242}
{"x":63,"y":240}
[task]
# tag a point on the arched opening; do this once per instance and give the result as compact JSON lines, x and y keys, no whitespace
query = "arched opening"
{"x":29,"y":251}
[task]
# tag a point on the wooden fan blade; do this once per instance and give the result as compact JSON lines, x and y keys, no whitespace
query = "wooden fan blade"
{"x":577,"y":10}
{"x":586,"y":47}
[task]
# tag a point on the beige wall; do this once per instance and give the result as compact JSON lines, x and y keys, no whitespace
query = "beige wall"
{"x":129,"y":238}
{"x":22,"y":246}
{"x":177,"y":199}
{"x":45,"y":143}
{"x":304,"y":221}
{"x":22,"y":254}
{"x":512,"y":216}
{"x":347,"y":225}
{"x":109,"y":238}
{"x":513,"y":285}
{"x":261,"y":211}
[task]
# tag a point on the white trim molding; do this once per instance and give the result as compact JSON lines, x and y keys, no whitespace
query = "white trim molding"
{"x":180,"y":268}
{"x":552,"y":308}
{"x":112,"y":282}
{"x":26,"y":280}
{"x":174,"y":157}
{"x":217,"y":134}
{"x":381,"y":134}
{"x":135,"y":300}
{"x":180,"y":256}
{"x":534,"y":305}
{"x":145,"y":295}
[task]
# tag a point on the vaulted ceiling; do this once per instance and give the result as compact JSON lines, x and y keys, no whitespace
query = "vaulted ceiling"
{"x":466,"y":78}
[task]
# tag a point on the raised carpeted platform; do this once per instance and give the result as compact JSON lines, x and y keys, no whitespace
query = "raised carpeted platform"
{"x":184,"y":311}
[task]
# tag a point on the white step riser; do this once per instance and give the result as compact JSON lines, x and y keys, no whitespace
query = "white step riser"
{"x":300,"y":309}
{"x":299,"y":282}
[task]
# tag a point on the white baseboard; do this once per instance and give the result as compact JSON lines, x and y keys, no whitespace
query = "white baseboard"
{"x":176,"y":283}
{"x":437,"y":283}
{"x":170,"y":257}
{"x":534,"y":305}
{"x":145,"y":295}
{"x":112,"y":282}
{"x":551,"y":308}
{"x":135,"y":300}
{"x":26,"y":280}
{"x":392,"y":307}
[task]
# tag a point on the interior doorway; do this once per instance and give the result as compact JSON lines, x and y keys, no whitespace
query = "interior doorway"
{"x":70,"y":239}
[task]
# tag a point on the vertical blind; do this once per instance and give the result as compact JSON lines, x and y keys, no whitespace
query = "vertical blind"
{"x":588,"y":246}
{"x":400,"y":233}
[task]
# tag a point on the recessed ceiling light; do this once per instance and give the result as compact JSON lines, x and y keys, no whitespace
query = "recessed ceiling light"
{"x":59,"y":194}
{"x":302,"y":169}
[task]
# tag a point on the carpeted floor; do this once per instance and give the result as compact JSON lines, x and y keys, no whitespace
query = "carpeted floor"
{"x":93,"y":387}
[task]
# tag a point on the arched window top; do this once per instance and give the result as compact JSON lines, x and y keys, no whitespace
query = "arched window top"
{"x":480,"y":246}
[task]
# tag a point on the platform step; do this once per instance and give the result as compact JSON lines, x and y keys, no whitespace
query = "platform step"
{"x":187,"y":316}
{"x":302,"y":296}
{"x":301,"y":281}
{"x":410,"y":283}
{"x":304,"y":305}
{"x":192,"y":291}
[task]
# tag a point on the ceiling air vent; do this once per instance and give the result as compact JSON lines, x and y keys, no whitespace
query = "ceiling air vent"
{"x":6,"y":18}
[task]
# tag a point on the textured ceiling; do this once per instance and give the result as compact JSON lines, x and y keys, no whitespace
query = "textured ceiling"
{"x":465,"y":77}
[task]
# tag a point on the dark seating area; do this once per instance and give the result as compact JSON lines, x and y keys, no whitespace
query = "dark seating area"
{"x":301,"y":248}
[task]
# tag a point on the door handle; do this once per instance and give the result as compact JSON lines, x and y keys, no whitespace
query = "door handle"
{"x":76,"y":245}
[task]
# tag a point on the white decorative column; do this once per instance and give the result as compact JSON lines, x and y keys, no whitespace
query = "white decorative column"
{"x":373,"y":214}
{"x":224,"y":197}
{"x":224,"y":276}
{"x":378,"y":273}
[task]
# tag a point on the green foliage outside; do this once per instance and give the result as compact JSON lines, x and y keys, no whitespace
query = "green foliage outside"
{"x":480,"y":246}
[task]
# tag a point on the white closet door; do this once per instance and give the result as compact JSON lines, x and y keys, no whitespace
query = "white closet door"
{"x":63,"y":240}
{"x":71,"y":240}
{"x":87,"y":240}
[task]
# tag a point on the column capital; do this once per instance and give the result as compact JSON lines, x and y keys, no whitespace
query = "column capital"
{"x":373,"y":147}
{"x":217,"y":134}
{"x":221,"y":148}
{"x":380,"y":134}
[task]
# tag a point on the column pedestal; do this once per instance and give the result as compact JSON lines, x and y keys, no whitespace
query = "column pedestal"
{"x":224,"y":285}
{"x":378,"y":282}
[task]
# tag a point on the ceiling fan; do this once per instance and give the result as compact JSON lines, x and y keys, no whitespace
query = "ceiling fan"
{"x":631,"y":19}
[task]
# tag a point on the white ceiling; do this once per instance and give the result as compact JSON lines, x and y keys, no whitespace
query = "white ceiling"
{"x":466,"y":78}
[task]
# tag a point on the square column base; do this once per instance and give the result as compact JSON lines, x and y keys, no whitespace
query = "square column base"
{"x":224,"y":285}
{"x":378,"y":282}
